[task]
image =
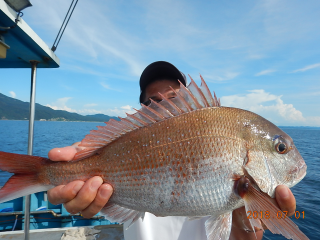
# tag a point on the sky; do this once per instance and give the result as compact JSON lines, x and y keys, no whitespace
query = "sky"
{"x":263,"y":56}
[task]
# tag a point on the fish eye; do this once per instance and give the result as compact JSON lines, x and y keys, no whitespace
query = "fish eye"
{"x":280,"y":144}
{"x":281,"y":148}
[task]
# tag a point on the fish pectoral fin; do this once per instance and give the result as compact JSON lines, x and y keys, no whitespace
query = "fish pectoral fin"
{"x":116,"y":213}
{"x":219,"y":227}
{"x":275,"y":220}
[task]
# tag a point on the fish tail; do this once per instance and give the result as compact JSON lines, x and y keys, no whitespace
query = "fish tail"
{"x":26,"y":179}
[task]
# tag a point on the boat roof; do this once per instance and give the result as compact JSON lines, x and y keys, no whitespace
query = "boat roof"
{"x":25,"y":45}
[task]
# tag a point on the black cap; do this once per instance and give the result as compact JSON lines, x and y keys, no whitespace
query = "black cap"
{"x":158,"y":70}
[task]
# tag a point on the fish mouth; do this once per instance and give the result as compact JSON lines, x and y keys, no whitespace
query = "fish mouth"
{"x":302,"y":171}
{"x":299,"y":171}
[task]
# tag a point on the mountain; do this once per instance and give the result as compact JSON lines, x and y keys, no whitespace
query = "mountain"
{"x":14,"y":109}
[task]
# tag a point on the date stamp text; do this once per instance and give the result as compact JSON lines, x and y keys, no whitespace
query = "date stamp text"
{"x":279,"y":215}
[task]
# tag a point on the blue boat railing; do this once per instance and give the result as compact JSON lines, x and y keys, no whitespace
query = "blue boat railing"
{"x":43,"y":215}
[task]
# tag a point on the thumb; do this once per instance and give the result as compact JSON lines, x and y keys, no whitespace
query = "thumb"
{"x":65,"y":153}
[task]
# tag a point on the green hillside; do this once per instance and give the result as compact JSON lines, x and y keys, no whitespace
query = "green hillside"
{"x":14,"y":109}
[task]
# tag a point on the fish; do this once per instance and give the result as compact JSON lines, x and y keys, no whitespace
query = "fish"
{"x":184,"y":156}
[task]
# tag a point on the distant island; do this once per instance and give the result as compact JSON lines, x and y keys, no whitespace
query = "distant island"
{"x":14,"y":109}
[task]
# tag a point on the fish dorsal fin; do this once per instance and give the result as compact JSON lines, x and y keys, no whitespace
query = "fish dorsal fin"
{"x":212,"y":101}
{"x":188,"y":99}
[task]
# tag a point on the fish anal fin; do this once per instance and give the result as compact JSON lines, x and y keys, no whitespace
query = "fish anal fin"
{"x":219,"y":227}
{"x":256,"y":201}
{"x":116,"y":213}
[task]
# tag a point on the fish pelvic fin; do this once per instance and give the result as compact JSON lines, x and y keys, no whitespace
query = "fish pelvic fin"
{"x":25,"y":179}
{"x":116,"y":213}
{"x":274,"y":219}
{"x":219,"y":227}
{"x":188,"y":99}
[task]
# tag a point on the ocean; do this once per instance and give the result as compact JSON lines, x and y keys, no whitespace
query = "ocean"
{"x":47,"y":135}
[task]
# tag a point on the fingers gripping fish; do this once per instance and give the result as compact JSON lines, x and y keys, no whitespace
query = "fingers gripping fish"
{"x":185,"y":156}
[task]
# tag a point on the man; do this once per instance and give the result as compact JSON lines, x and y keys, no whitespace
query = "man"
{"x":89,"y":197}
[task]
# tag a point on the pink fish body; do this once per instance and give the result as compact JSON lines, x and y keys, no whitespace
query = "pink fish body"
{"x":183,"y":157}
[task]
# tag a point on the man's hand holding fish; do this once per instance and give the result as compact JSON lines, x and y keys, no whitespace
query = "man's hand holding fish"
{"x":86,"y":197}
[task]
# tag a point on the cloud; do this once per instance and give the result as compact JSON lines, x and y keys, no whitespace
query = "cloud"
{"x":60,"y":104}
{"x":101,"y":41}
{"x":86,"y":111}
{"x":13,"y":94}
{"x":108,"y":38}
{"x":314,"y":121}
{"x":127,"y":107}
{"x":265,"y":72}
{"x":90,"y":105}
{"x":106,"y":86}
{"x":268,"y":105}
{"x":121,"y":112}
{"x":256,"y":56}
{"x":117,"y":111}
{"x":307,"y":68}
{"x":225,"y":76}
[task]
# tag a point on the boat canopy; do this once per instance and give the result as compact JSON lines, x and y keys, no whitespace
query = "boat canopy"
{"x":19,"y":44}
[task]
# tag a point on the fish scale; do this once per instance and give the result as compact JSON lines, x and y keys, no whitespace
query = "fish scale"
{"x":185,"y":156}
{"x":155,"y":166}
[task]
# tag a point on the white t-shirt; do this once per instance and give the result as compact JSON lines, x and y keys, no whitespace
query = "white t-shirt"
{"x":168,"y":228}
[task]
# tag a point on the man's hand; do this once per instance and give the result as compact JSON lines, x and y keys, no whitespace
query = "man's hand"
{"x":86,"y":197}
{"x":284,"y":199}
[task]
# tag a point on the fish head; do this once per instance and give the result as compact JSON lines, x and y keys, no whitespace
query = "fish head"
{"x":272,"y":157}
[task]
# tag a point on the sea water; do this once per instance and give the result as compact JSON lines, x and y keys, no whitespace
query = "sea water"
{"x":48,"y":135}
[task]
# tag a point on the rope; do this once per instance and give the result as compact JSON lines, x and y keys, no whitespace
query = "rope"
{"x":15,"y":223}
{"x":63,"y":26}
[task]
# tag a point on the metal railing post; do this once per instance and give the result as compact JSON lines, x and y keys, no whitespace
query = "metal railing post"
{"x":30,"y":143}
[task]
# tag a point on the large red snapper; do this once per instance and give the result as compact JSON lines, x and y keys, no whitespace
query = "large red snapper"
{"x":186,"y":156}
